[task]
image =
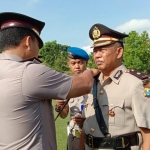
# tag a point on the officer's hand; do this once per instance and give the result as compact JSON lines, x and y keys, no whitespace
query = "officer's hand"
{"x":94,"y":71}
{"x":60,"y":103}
{"x":78,"y":120}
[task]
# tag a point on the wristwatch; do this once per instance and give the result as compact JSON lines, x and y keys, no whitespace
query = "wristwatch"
{"x":57,"y":109}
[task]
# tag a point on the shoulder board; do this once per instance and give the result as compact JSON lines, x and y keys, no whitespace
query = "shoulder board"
{"x":138,"y":74}
{"x":34,"y":59}
{"x":145,"y":78}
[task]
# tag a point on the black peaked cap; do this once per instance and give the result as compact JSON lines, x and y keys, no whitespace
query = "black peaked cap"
{"x":7,"y":21}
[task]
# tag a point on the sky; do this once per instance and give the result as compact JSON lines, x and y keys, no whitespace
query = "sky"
{"x":68,"y":21}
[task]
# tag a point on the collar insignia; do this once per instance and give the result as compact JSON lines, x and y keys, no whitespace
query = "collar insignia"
{"x":96,"y":33}
{"x":118,"y":74}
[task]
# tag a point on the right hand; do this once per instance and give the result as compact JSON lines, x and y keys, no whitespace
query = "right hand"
{"x":60,"y":103}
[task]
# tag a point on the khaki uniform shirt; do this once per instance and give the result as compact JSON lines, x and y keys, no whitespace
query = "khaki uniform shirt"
{"x":124,"y":94}
{"x":26,"y":114}
{"x":74,"y":106}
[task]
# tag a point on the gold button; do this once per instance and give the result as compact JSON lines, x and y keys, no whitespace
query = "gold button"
{"x":101,"y":92}
{"x":92,"y":130}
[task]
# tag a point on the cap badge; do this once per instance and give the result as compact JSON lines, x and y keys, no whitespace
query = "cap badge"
{"x":96,"y":33}
{"x":70,"y":55}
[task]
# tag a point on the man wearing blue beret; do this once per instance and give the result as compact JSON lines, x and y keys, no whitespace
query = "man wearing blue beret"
{"x":77,"y":62}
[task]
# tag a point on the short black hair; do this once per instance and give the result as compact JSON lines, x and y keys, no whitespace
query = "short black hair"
{"x":11,"y":37}
{"x":120,"y":44}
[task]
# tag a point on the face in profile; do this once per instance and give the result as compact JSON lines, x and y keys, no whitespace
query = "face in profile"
{"x":77,"y":66}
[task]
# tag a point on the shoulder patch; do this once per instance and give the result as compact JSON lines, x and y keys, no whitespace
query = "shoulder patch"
{"x":145,"y":78}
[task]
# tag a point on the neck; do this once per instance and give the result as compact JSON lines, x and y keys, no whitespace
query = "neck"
{"x":107,"y":73}
{"x":15,"y":51}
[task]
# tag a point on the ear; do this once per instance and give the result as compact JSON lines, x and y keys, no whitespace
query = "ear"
{"x":119,"y":52}
{"x":86,"y":62}
{"x":68,"y":61}
{"x":69,"y":64}
{"x":28,"y":43}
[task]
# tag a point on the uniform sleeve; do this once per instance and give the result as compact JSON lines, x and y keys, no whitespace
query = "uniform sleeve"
{"x":42,"y":82}
{"x":141,"y":106}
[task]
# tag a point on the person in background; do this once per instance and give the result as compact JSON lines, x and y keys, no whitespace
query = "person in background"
{"x":117,"y":113}
{"x":77,"y":62}
{"x":27,"y":87}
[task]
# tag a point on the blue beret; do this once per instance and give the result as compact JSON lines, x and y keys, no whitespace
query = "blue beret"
{"x":77,"y":53}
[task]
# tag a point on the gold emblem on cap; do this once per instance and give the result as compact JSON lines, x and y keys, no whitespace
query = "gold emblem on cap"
{"x":96,"y":33}
{"x":70,"y":55}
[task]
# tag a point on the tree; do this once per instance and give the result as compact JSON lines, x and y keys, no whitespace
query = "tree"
{"x":91,"y":63}
{"x":55,"y":56}
{"x":137,"y":51}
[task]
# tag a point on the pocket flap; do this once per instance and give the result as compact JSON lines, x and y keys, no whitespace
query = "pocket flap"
{"x":113,"y":102}
{"x":116,"y":102}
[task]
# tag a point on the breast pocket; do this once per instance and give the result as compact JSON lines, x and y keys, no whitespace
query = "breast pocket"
{"x":117,"y":106}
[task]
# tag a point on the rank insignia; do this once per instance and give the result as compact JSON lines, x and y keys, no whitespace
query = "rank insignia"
{"x":146,"y":92}
{"x":70,"y":55}
{"x":118,"y":74}
{"x":96,"y":33}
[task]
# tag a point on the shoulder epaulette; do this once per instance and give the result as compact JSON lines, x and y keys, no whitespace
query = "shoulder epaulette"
{"x":34,"y":59}
{"x":145,"y":78}
{"x":138,"y":74}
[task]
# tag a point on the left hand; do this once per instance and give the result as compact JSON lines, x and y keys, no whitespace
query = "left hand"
{"x":78,"y":120}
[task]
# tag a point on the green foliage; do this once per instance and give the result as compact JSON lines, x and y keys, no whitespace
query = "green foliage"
{"x":55,"y":56}
{"x":61,"y":130}
{"x":137,"y":51}
{"x":91,"y":63}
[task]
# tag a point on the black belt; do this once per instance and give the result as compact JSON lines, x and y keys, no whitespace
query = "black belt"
{"x":118,"y":142}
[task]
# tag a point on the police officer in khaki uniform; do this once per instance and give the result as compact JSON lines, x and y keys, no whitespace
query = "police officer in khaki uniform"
{"x":27,"y":87}
{"x":77,"y":62}
{"x":117,"y":111}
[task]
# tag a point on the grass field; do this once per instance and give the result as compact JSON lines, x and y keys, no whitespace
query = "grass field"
{"x":61,"y":131}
